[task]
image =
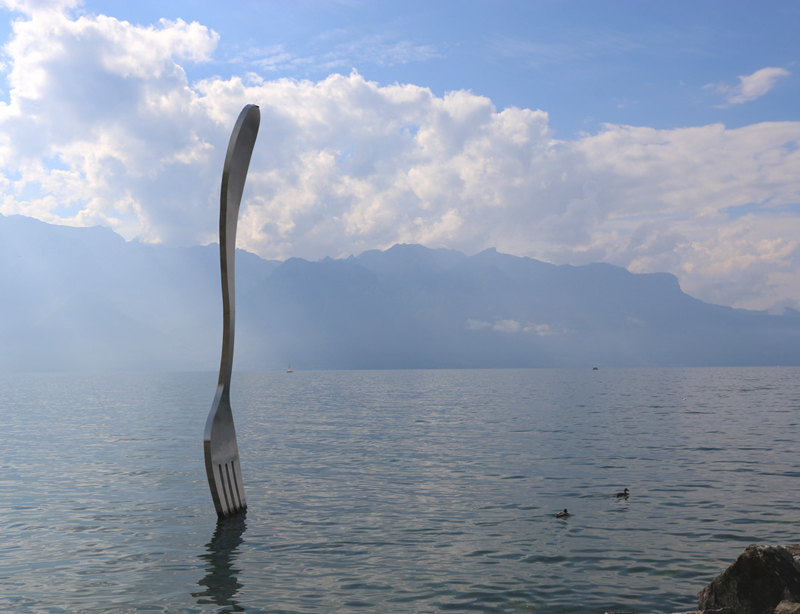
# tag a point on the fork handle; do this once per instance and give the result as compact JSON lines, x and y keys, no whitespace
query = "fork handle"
{"x":234,"y":173}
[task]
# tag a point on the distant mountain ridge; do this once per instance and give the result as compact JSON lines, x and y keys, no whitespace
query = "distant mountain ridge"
{"x":85,"y":299}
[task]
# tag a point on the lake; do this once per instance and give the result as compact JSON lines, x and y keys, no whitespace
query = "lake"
{"x":394,"y":491}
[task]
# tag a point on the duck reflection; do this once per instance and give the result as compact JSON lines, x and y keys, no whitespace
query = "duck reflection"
{"x":221,"y":582}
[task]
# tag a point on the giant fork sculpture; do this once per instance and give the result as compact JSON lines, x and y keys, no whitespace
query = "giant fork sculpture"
{"x":221,"y":450}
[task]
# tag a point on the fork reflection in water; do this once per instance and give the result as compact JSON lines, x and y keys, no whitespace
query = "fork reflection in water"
{"x":221,"y":581}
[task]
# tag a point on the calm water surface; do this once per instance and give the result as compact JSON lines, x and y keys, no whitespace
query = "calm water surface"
{"x":394,"y":491}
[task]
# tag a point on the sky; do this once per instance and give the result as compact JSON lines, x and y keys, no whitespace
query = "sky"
{"x":656,"y":136}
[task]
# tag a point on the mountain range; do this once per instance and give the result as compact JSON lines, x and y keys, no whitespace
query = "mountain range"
{"x":85,"y":299}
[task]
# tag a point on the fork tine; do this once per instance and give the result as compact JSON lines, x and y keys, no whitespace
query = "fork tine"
{"x":227,"y":508}
{"x":237,"y":479}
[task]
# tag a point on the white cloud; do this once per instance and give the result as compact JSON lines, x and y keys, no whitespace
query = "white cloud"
{"x":29,"y":7}
{"x":102,"y":126}
{"x":752,"y":86}
{"x":539,"y":329}
{"x":507,"y":326}
{"x":375,"y":50}
{"x":382,"y":52}
{"x":510,"y":326}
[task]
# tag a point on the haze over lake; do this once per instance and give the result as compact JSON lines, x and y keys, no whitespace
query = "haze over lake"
{"x":83,"y":299}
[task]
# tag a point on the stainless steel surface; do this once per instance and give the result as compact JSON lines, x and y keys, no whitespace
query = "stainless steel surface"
{"x":221,"y":450}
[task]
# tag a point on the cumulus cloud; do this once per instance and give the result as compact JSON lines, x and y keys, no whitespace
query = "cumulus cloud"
{"x":101,"y":126}
{"x":752,"y":86}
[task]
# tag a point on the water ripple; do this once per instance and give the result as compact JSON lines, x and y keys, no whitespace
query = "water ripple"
{"x":413,"y":491}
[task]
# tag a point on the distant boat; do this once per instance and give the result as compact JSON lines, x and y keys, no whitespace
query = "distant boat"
{"x":289,"y":370}
{"x":594,"y":369}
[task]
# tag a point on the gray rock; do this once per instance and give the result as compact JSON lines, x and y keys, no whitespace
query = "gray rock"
{"x":787,"y":607}
{"x":756,"y":583}
{"x":719,"y":611}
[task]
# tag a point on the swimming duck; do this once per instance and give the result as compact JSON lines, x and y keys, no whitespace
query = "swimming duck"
{"x":564,"y":514}
{"x":623,"y":494}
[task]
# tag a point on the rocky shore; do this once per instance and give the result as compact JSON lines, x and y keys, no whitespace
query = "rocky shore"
{"x":763,"y":580}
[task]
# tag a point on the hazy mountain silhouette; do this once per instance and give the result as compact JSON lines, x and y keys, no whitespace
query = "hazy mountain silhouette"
{"x":83,"y":298}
